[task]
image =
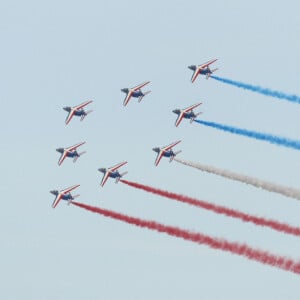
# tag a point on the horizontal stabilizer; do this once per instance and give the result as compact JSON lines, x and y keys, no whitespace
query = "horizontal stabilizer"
{"x":196,"y":115}
{"x":144,"y":94}
{"x":76,"y":157}
{"x":175,"y":153}
{"x":212,"y":71}
{"x":121,"y":175}
{"x":85,"y":114}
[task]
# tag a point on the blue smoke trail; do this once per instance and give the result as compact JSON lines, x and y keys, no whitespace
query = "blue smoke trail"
{"x":258,"y":89}
{"x":256,"y":135}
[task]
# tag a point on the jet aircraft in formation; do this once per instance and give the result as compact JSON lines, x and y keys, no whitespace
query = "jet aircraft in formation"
{"x":186,"y":113}
{"x":166,"y":151}
{"x":64,"y":195}
{"x":69,"y":152}
{"x":112,"y":172}
{"x":202,"y":69}
{"x":135,"y":92}
{"x":77,"y":111}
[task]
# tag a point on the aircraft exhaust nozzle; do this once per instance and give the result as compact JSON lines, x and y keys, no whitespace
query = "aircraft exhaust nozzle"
{"x":192,"y":67}
{"x":103,"y":170}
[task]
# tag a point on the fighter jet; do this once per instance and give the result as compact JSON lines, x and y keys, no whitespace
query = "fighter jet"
{"x":166,"y":151}
{"x":135,"y":92}
{"x":69,"y":152}
{"x":64,"y":195}
{"x":77,"y":111}
{"x":202,"y":69}
{"x":112,"y":172}
{"x":186,"y":113}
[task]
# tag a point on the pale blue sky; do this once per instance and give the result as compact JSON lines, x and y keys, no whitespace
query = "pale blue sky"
{"x":62,"y":53}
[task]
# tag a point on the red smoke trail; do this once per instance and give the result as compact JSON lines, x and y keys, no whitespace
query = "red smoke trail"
{"x":216,"y":243}
{"x":286,"y":228}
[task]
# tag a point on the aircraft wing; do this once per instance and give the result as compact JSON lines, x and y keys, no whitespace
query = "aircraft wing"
{"x":195,"y":75}
{"x":191,"y":107}
{"x":56,"y":200}
{"x":127,"y":98}
{"x":105,"y":177}
{"x":82,"y":104}
{"x":114,"y":168}
{"x":159,"y":156}
{"x":69,"y":189}
{"x":166,"y":148}
{"x":74,"y":147}
{"x":69,"y":116}
{"x":179,"y":118}
{"x":139,"y":86}
{"x":62,"y":158}
{"x":207,"y":63}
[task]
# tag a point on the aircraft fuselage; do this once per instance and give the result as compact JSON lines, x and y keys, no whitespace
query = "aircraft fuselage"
{"x":66,"y":197}
{"x":73,"y":153}
{"x":114,"y":174}
{"x":168,"y":153}
{"x":204,"y":71}
{"x":187,"y":115}
{"x":77,"y":112}
{"x":135,"y":94}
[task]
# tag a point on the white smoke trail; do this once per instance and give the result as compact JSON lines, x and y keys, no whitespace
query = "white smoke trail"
{"x":268,"y":186}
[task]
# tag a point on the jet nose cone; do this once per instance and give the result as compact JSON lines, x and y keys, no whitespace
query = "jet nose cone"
{"x":67,"y":108}
{"x":155,"y":149}
{"x":103,"y":170}
{"x":53,"y":192}
{"x":174,"y":111}
{"x":192,"y":67}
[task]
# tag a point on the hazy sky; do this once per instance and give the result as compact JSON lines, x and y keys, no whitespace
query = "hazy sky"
{"x":60,"y":53}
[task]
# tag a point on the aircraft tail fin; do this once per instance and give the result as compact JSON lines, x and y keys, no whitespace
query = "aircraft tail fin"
{"x":79,"y":154}
{"x":124,"y":173}
{"x":83,"y":116}
{"x":196,"y":115}
{"x":70,"y":201}
{"x":121,"y":175}
{"x":211,"y":72}
{"x":144,"y":94}
{"x":175,"y":153}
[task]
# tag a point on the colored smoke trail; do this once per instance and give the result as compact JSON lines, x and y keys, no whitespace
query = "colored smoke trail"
{"x":281,"y":141}
{"x":258,"y":89}
{"x":282,"y":227}
{"x":261,"y":256}
{"x":268,"y":186}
